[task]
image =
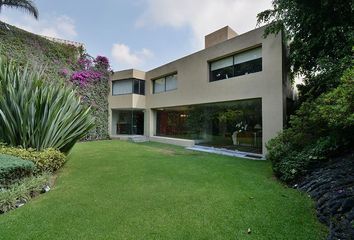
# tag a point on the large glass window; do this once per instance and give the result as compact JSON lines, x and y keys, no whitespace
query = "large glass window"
{"x":235,"y":125}
{"x":122,"y":87}
{"x":159,"y":85}
{"x":164,"y":84}
{"x":222,"y":69}
{"x":139,"y":86}
{"x":171,"y":82}
{"x":248,"y":62}
{"x":128,"y":122}
{"x":128,"y":86}
{"x":240,"y":64}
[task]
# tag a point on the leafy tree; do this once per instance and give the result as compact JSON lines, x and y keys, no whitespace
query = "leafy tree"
{"x":320,"y":35}
{"x":319,"y":129}
{"x":24,"y":5}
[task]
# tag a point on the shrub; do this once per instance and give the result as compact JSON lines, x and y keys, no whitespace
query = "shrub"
{"x":289,"y":164}
{"x":38,"y":114}
{"x":22,"y":191}
{"x":47,"y":160}
{"x":318,"y":130}
{"x":12,"y":169}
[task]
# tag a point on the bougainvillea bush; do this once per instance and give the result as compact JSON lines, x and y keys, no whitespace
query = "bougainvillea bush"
{"x":84,"y":77}
{"x":91,"y":78}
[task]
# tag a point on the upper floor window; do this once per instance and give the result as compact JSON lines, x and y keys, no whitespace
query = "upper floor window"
{"x":128,"y":86}
{"x":239,"y":64}
{"x":164,"y":84}
{"x":139,"y":86}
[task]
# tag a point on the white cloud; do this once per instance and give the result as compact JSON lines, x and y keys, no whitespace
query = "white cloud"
{"x":203,"y":16}
{"x":66,"y":25}
{"x":54,"y":26}
{"x":124,"y":57}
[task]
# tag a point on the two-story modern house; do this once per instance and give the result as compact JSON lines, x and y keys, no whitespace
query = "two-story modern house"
{"x":232,"y":94}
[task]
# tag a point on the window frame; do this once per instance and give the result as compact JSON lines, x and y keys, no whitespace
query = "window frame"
{"x":132,"y":89}
{"x":141,"y":91}
{"x":233,"y":63}
{"x":169,"y":90}
{"x":164,"y":77}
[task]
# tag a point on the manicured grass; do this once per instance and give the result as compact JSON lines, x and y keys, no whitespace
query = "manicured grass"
{"x":122,"y":190}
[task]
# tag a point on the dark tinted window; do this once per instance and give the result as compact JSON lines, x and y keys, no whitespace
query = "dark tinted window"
{"x":223,"y":73}
{"x":239,"y":64}
{"x":248,"y":67}
{"x":142,"y":87}
{"x":136,"y":86}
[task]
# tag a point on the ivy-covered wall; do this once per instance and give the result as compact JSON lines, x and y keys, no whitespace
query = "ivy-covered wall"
{"x":91,"y":76}
{"x":63,"y":64}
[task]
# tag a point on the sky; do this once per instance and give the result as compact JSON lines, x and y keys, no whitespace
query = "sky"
{"x":141,"y":34}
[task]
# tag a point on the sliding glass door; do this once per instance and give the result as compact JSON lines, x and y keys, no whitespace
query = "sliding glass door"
{"x":233,"y":125}
{"x":129,"y":122}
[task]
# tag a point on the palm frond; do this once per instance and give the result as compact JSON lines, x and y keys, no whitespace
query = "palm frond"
{"x":25,"y":5}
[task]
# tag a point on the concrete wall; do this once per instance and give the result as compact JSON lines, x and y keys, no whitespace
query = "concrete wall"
{"x":219,"y":36}
{"x":130,"y":73}
{"x":193,"y":86}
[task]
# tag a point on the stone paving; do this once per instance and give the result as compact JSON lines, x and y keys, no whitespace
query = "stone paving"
{"x":226,"y":152}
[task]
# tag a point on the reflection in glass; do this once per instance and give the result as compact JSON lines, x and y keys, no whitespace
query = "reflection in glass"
{"x":246,"y":62}
{"x":222,"y":69}
{"x":128,"y":86}
{"x":171,"y":82}
{"x":130,"y":122}
{"x":122,"y":87}
{"x":233,"y":125}
{"x":159,"y":85}
{"x":164,"y":84}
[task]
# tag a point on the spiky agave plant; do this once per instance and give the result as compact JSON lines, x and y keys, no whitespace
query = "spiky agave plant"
{"x":37,"y":114}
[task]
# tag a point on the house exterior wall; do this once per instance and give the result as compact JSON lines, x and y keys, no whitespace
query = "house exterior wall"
{"x":219,"y":36}
{"x":194,"y":87}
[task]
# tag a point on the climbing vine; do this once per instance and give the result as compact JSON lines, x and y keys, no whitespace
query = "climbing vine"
{"x":91,"y":79}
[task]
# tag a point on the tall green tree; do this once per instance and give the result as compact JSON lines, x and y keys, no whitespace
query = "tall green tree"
{"x":24,"y":5}
{"x":320,"y":35}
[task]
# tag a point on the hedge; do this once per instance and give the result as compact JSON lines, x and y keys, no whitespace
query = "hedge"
{"x":12,"y":169}
{"x":48,"y":160}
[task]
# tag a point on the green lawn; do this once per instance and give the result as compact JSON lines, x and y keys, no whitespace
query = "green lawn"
{"x":122,"y":190}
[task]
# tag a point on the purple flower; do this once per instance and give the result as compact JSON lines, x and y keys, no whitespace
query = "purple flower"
{"x":85,"y":76}
{"x":102,"y":62}
{"x":84,"y":62}
{"x":63,"y":72}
